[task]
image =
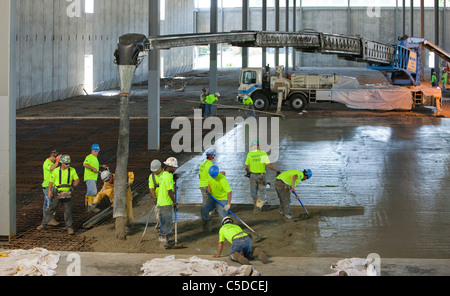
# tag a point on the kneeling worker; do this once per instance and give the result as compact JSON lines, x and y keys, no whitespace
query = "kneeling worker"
{"x":241,"y":243}
{"x":108,"y":190}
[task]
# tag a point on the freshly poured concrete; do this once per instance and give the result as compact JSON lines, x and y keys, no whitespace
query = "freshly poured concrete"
{"x":396,"y":169}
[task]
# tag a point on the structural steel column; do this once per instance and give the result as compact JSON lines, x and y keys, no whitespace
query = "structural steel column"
{"x":8,"y":120}
{"x":154,"y":77}
{"x":264,"y":28}
{"x":277,"y":29}
{"x":287,"y":30}
{"x":213,"y":49}
{"x":436,"y":39}
{"x":245,"y":14}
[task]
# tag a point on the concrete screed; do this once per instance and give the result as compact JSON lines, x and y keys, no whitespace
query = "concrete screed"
{"x":364,"y":195}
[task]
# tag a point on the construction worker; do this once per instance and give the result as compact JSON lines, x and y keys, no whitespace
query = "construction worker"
{"x":60,"y":188}
{"x":255,"y":165}
{"x":248,"y":105}
{"x":153,"y":184}
{"x":211,"y":99}
{"x":444,"y":81}
{"x":434,"y":82}
{"x":108,"y":191}
{"x":241,"y":243}
{"x":285,"y":184}
{"x":203,"y":174}
{"x":91,"y":171}
{"x":50,"y":164}
{"x":166,"y":199}
{"x":219,"y":188}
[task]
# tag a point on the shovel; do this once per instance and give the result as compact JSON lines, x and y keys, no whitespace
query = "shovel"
{"x":301,"y":203}
{"x":258,"y":238}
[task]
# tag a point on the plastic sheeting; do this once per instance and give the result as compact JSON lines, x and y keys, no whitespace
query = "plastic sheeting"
{"x":373,"y":97}
{"x":36,"y":262}
{"x":169,"y":266}
{"x":354,"y":267}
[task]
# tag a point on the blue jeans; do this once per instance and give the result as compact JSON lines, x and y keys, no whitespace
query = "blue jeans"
{"x":46,"y":199}
{"x":241,"y":244}
{"x":91,"y":188}
{"x":208,"y":110}
{"x":165,"y":219}
{"x":209,"y":205}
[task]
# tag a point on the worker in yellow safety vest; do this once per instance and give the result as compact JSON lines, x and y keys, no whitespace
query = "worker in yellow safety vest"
{"x":91,"y":170}
{"x":50,"y":164}
{"x":210,"y":100}
{"x":444,"y":81}
{"x":255,"y":165}
{"x":60,"y":189}
{"x":153,"y":184}
{"x":285,"y":184}
{"x":241,"y":243}
{"x":248,"y":105}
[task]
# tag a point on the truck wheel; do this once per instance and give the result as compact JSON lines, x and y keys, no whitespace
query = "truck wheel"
{"x":260,"y":102}
{"x":298,"y":102}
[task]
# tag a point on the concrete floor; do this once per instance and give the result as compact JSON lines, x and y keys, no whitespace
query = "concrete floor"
{"x":394,"y":165}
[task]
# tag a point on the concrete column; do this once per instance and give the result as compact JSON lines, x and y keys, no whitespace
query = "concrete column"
{"x":277,"y":29}
{"x":213,"y":49}
{"x":8,"y":120}
{"x":154,"y":77}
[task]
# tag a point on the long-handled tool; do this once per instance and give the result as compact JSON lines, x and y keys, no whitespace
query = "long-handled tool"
{"x":146,"y":225}
{"x":176,"y":245}
{"x":301,"y":203}
{"x":258,"y":238}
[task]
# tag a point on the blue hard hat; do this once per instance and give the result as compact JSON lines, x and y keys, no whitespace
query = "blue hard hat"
{"x":95,"y":147}
{"x":214,"y":171}
{"x":309,"y":173}
{"x":211,"y":152}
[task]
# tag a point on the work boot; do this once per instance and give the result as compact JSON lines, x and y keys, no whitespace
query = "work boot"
{"x":53,"y":222}
{"x":92,"y":209}
{"x":261,"y":255}
{"x":239,"y":258}
{"x":69,"y":231}
{"x":40,"y":227}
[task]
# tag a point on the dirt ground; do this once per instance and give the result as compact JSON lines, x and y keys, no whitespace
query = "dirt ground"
{"x":280,"y":238}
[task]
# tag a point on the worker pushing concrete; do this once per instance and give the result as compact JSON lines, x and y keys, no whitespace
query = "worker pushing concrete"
{"x":284,"y":185}
{"x":50,"y":164}
{"x":210,"y":100}
{"x":108,"y":191}
{"x":166,"y":200}
{"x":219,"y":190}
{"x":153,"y":184}
{"x":203,"y":96}
{"x":241,"y":243}
{"x":91,"y":170}
{"x":255,"y":165}
{"x":248,"y":106}
{"x":60,"y":188}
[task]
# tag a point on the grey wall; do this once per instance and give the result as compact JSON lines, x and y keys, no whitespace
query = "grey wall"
{"x":51,"y":46}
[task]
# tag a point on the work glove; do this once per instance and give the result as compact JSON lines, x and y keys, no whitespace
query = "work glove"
{"x":227,"y":207}
{"x":175,"y":206}
{"x":247,"y":175}
{"x":278,"y":173}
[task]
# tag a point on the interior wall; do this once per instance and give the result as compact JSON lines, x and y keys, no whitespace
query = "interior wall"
{"x":53,"y":37}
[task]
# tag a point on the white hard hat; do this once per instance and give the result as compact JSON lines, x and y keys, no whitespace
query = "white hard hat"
{"x":105,"y":175}
{"x":172,"y":161}
{"x":217,"y":94}
{"x":155,"y":165}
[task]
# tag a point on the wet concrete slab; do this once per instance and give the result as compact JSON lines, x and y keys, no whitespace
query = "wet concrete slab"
{"x":396,"y":169}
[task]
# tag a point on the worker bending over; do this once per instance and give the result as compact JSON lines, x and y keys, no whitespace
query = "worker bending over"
{"x":218,"y":189}
{"x":241,"y":243}
{"x":285,"y":184}
{"x":107,"y":190}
